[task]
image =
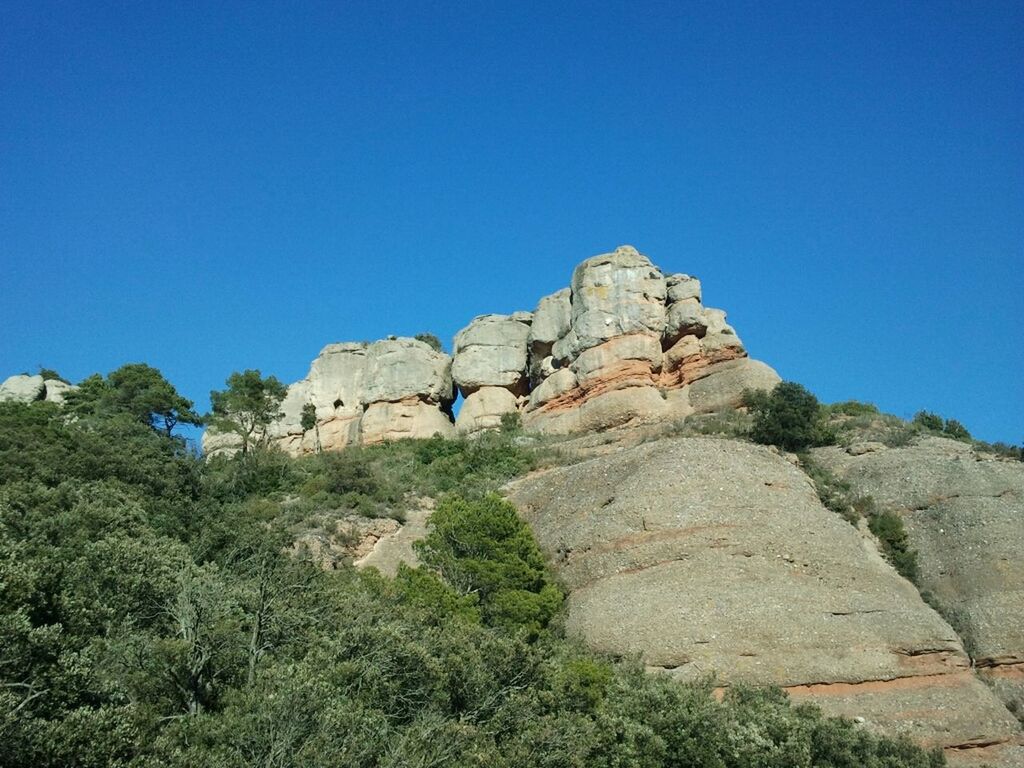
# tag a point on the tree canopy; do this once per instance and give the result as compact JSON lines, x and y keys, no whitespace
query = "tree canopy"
{"x":249,"y":405}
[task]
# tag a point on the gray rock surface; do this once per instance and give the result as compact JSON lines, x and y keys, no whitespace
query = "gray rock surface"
{"x":23,"y":388}
{"x":491,"y":352}
{"x":715,"y":557}
{"x":484,"y":409}
{"x":964,"y":513}
{"x":397,"y":369}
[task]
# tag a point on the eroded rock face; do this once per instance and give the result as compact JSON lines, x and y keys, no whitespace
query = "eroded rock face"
{"x":716,"y":557}
{"x":623,"y":345}
{"x":964,"y":513}
{"x":23,"y":389}
{"x":28,"y":389}
{"x":623,"y":327}
{"x":363,"y":393}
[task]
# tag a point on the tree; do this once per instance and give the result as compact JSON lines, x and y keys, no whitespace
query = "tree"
{"x":309,"y":422}
{"x":248,"y":406}
{"x":137,"y":390}
{"x":789,"y":417}
{"x":482,"y":547}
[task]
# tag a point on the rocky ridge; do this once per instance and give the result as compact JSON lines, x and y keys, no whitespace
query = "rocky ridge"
{"x":623,"y":344}
{"x":715,"y":557}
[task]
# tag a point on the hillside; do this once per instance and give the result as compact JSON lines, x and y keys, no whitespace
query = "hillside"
{"x":632,"y":546}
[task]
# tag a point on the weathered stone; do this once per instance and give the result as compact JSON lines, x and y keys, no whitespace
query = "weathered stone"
{"x":491,"y":352}
{"x":721,"y":387}
{"x":679,"y":287}
{"x":484,"y":408}
{"x":412,"y":418}
{"x":551,"y":320}
{"x":613,"y":294}
{"x":623,"y":361}
{"x":557,"y":384}
{"x":23,"y":388}
{"x":964,"y":516}
{"x":401,"y":368}
{"x":57,"y":390}
{"x":708,"y":556}
{"x":685,"y":318}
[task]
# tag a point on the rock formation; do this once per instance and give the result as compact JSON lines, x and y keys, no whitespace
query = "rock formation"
{"x":964,"y":513}
{"x":27,"y":389}
{"x":363,"y":393}
{"x":715,"y":557}
{"x":624,"y":344}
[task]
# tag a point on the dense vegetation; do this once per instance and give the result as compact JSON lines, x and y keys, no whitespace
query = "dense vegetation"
{"x":150,"y":616}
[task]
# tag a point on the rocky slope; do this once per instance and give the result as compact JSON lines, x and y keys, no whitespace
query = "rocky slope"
{"x":24,"y":388}
{"x":715,"y":557}
{"x":964,"y":513}
{"x":623,"y":344}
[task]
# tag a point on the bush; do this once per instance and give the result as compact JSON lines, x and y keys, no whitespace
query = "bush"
{"x":927,"y":420}
{"x":788,"y":417}
{"x":888,"y":527}
{"x":482,"y":547}
{"x":430,"y":340}
{"x":852,"y":408}
{"x":954,"y":429}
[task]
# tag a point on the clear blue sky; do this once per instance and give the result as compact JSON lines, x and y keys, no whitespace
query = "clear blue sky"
{"x":214,"y":186}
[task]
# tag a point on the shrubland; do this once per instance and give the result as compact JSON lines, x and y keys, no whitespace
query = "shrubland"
{"x":151,"y":615}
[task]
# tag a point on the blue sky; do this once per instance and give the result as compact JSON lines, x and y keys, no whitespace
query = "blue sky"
{"x":211,"y":187}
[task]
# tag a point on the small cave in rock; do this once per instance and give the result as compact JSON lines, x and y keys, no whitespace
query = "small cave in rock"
{"x":338,"y":403}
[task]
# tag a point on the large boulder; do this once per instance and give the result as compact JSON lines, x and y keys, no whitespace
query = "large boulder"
{"x":400,"y":368}
{"x":492,"y":352}
{"x":411,"y":418}
{"x":715,"y":557}
{"x":23,"y":388}
{"x":484,"y":409}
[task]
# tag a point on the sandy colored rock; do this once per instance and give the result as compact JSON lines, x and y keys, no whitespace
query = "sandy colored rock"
{"x":411,"y":418}
{"x":713,"y":556}
{"x":684,"y":318}
{"x":56,"y":390}
{"x":401,"y":368}
{"x":679,"y":287}
{"x":623,"y":361}
{"x":613,"y":294}
{"x":484,"y":409}
{"x":721,"y":387}
{"x":23,"y":388}
{"x":964,"y":514}
{"x":491,"y":352}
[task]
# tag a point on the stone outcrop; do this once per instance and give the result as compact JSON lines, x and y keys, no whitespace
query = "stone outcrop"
{"x":964,"y":513}
{"x":27,"y":389}
{"x":363,"y":393}
{"x":622,"y":345}
{"x":715,"y":557}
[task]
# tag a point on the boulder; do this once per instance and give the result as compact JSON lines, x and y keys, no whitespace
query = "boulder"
{"x":491,"y":352}
{"x":721,"y":386}
{"x":23,"y":388}
{"x":684,"y":318}
{"x":484,"y":409}
{"x":397,"y":369}
{"x":613,"y":294}
{"x":679,"y":287}
{"x":410,"y":418}
{"x":57,"y":390}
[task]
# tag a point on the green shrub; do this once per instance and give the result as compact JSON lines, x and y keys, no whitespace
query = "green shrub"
{"x":430,"y":340}
{"x":888,"y":527}
{"x":954,"y":429}
{"x":788,"y":417}
{"x":482,"y":547}
{"x":927,"y":420}
{"x":852,"y":408}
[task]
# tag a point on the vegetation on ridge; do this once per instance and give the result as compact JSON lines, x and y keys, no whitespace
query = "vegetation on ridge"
{"x":150,"y":615}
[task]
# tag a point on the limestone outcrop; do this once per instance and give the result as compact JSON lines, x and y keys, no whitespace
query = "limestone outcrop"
{"x":24,"y":388}
{"x":363,"y":393}
{"x":964,"y":514}
{"x":624,"y":344}
{"x":715,"y":557}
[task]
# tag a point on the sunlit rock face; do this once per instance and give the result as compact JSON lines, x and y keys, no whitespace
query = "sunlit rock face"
{"x":624,"y":344}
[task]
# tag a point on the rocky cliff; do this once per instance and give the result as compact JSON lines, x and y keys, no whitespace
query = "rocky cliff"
{"x":623,"y":344}
{"x":715,"y":557}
